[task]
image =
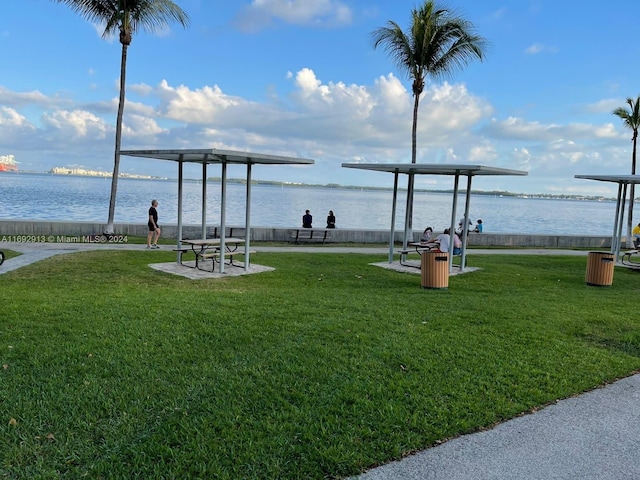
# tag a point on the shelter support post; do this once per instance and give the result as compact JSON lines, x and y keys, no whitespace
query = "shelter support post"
{"x":616,"y":220}
{"x":180,"y":180}
{"x":247,"y":222}
{"x":408,"y":212}
{"x":223,"y":208}
{"x":204,"y":200}
{"x":465,"y":228}
{"x":393,"y":217}
{"x":618,"y":238}
{"x":452,"y":232}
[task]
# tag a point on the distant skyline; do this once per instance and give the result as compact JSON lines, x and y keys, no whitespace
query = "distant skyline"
{"x":301,"y":78}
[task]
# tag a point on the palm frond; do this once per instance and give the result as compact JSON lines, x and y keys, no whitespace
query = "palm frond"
{"x":129,"y":15}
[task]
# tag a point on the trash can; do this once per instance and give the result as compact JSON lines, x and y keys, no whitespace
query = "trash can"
{"x":600,"y":269}
{"x":435,"y":270}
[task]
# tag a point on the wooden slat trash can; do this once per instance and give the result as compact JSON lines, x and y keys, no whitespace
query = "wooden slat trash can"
{"x":435,"y":270}
{"x":600,"y":269}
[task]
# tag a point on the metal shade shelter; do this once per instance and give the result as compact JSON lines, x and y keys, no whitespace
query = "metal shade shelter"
{"x":623,"y":182}
{"x":224,"y":158}
{"x":412,"y":169}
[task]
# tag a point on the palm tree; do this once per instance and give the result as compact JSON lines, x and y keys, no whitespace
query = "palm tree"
{"x":631,"y":118}
{"x":126,"y":17}
{"x":437,"y":43}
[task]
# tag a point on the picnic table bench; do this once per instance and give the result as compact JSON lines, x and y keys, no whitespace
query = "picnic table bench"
{"x":310,"y":235}
{"x":209,"y":249}
{"x":181,"y":251}
{"x":416,"y":247}
{"x":626,"y":258}
{"x":215,"y":254}
{"x":420,"y":248}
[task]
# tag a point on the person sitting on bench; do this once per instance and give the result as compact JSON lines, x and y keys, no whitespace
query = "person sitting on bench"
{"x":636,"y":236}
{"x":443,"y":240}
{"x":426,"y":235}
{"x":457,"y":244}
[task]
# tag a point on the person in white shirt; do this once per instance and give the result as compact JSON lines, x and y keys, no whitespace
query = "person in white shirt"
{"x":443,"y":240}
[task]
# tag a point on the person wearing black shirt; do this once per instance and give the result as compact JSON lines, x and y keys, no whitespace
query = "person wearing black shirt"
{"x":154,"y":229}
{"x":331,"y":220}
{"x":307,"y":219}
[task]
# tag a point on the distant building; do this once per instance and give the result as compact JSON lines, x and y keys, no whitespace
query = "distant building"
{"x":8,"y":163}
{"x":93,"y":173}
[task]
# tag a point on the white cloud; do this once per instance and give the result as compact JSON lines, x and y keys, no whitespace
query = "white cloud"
{"x":331,"y":122}
{"x":140,"y":126}
{"x":34,"y":97}
{"x":499,"y":13}
{"x":10,"y":117}
{"x":317,"y":13}
{"x":536,"y":48}
{"x":519,"y":129}
{"x":15,"y":129}
{"x":484,"y":153}
{"x":76,"y":125}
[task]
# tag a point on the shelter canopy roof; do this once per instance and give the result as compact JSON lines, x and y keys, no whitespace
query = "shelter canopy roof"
{"x":214,"y":155}
{"x":434,"y":169}
{"x":620,"y":179}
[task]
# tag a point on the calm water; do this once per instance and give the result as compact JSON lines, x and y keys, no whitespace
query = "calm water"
{"x":54,"y":197}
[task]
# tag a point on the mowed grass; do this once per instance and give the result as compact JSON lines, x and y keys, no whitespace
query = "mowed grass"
{"x":8,"y":253}
{"x":321,"y":369}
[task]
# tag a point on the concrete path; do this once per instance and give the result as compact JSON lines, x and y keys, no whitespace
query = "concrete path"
{"x":592,"y":436}
{"x":34,"y":252}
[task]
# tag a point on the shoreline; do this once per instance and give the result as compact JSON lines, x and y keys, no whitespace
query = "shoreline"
{"x":239,"y":181}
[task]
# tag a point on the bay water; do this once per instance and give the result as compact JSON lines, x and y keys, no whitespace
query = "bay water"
{"x":76,"y":198}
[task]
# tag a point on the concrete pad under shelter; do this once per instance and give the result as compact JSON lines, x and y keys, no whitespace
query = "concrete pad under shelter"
{"x":413,"y":266}
{"x":188,"y":270}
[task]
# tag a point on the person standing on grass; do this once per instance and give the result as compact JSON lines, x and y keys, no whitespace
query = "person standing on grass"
{"x":154,"y":229}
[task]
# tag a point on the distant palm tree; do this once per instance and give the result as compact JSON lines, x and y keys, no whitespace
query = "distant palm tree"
{"x":126,"y":17}
{"x":631,"y":118}
{"x":438,"y":42}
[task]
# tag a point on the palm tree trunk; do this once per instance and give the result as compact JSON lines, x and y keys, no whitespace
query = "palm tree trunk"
{"x":116,"y":159}
{"x":408,"y":221}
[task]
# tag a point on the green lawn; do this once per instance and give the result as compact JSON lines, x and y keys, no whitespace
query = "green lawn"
{"x":321,"y":369}
{"x":8,"y":253}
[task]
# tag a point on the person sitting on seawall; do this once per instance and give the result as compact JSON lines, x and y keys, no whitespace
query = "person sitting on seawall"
{"x":307,"y":219}
{"x":636,"y":236}
{"x":443,"y":240}
{"x":478,"y":228}
{"x":426,"y":235}
{"x":461,"y":225}
{"x":331,"y":220}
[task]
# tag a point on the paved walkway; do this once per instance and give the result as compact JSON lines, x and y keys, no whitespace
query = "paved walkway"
{"x":595,"y":435}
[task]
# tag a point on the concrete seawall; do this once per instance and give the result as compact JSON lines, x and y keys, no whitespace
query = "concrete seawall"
{"x":65,"y":231}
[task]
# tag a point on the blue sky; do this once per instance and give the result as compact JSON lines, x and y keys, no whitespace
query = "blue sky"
{"x":301,"y":78}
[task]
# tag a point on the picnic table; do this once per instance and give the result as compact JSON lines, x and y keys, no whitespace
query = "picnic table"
{"x":419,"y":248}
{"x":209,"y":249}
